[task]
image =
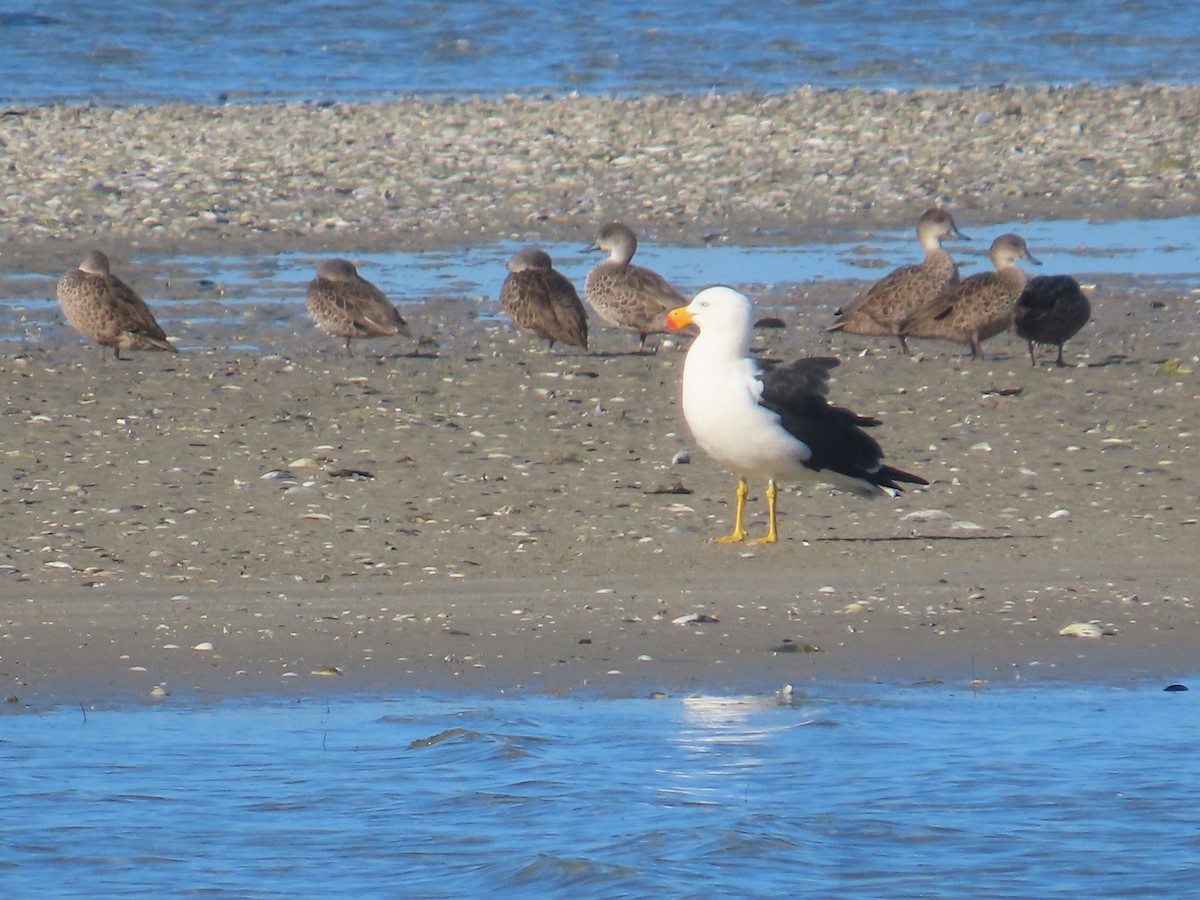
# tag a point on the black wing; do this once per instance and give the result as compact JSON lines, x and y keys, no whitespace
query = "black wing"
{"x":834,"y":435}
{"x":798,"y":378}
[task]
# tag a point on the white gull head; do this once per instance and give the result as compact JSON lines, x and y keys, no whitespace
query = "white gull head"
{"x":724,"y":316}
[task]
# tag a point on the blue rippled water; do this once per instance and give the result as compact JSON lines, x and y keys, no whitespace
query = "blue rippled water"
{"x":849,"y":791}
{"x":159,"y":50}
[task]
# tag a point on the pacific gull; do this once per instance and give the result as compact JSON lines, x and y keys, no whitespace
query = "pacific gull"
{"x":774,"y":424}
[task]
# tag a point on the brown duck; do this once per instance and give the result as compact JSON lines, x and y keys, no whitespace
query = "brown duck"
{"x":541,"y":301}
{"x":624,"y":295}
{"x":102,"y":307}
{"x":899,"y":294}
{"x":344,"y":304}
{"x":979,"y":306}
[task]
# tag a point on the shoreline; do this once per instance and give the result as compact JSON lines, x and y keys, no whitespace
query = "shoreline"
{"x":588,"y":637}
{"x":414,"y":174}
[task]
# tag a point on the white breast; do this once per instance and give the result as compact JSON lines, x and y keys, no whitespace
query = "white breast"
{"x":720,"y":403}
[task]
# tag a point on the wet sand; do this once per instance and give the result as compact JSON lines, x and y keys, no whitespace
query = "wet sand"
{"x":474,"y":513}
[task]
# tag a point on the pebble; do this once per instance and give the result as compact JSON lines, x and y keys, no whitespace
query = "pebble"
{"x":281,"y":156}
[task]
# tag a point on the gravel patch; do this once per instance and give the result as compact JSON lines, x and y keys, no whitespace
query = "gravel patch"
{"x":419,"y":173}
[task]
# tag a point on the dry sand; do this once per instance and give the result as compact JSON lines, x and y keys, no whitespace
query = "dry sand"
{"x":518,"y":522}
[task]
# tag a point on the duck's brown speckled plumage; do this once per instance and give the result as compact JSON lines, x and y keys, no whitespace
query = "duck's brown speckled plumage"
{"x":105,"y":309}
{"x":1051,"y":310}
{"x":977,"y":307}
{"x":541,"y":301}
{"x":624,"y":295}
{"x":901,"y":293}
{"x":344,"y":304}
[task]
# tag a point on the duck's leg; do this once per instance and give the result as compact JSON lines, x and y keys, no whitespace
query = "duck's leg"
{"x":1060,"y":359}
{"x":739,"y":517}
{"x":1032,"y":358}
{"x":772,"y":534}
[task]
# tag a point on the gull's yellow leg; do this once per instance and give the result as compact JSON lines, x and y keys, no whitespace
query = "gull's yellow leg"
{"x":772,"y":534}
{"x":739,"y":517}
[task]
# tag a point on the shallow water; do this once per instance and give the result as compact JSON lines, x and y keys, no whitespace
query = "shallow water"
{"x":154,"y":51}
{"x":214,"y":289}
{"x":851,"y":790}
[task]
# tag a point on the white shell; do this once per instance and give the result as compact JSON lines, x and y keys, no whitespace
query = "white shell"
{"x":1083,"y":630}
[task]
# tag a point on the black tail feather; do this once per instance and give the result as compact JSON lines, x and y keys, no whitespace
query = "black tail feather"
{"x":888,"y":476}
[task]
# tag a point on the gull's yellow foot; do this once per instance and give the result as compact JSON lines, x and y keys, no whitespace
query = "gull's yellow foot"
{"x":739,"y":517}
{"x":772,"y":535}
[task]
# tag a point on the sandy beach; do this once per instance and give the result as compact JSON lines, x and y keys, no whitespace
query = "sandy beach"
{"x":470,"y":513}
